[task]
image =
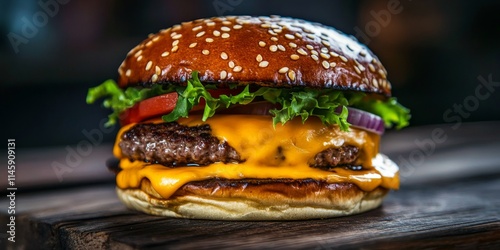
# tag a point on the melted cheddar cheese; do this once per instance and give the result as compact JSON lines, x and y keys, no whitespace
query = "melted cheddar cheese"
{"x":277,"y":152}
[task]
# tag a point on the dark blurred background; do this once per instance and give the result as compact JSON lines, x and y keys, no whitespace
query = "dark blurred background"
{"x":52,"y":51}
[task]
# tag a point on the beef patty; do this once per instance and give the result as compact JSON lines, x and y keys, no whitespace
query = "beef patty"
{"x":172,"y":145}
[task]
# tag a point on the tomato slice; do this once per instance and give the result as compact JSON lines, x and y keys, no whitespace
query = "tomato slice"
{"x":163,"y":104}
{"x":148,"y":108}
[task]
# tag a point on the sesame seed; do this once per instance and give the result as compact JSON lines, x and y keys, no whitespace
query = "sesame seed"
{"x":197,"y":28}
{"x":281,"y":47}
{"x":381,"y":73}
{"x":262,"y":44}
{"x":223,"y":75}
{"x":227,"y":22}
{"x":315,"y":57}
{"x":385,"y":83}
{"x":223,"y":55}
{"x":272,"y":32}
{"x":371,"y":67}
{"x":178,"y":36}
{"x":149,"y":43}
{"x":259,"y":58}
{"x":293,"y":45}
{"x":216,"y":33}
{"x":237,"y":69}
{"x":294,"y":57}
{"x":226,"y":29}
{"x":209,"y":40}
{"x":334,"y":54}
{"x":175,"y":48}
{"x":154,"y":78}
{"x":375,"y":83}
{"x":138,"y":53}
{"x":157,"y":70}
{"x":357,"y":69}
{"x":128,"y":72}
{"x":225,"y":35}
{"x":210,"y":24}
{"x":173,"y":34}
{"x":298,"y":35}
{"x":310,"y":47}
{"x":205,"y":52}
{"x":291,"y":75}
{"x":156,"y":38}
{"x":139,"y":58}
{"x":200,"y":34}
{"x":175,"y":43}
{"x":263,"y":64}
{"x":324,"y":50}
{"x":302,"y":52}
{"x":237,"y":27}
{"x":326,"y":43}
{"x":265,"y":25}
{"x":231,"y":64}
{"x":362,"y":53}
{"x":314,"y":52}
{"x":325,"y":56}
{"x":311,"y":36}
{"x":193,"y":45}
{"x":333,"y":64}
{"x":275,"y":39}
{"x":283,"y":70}
{"x":343,"y":58}
{"x":176,"y":27}
{"x":149,"y":65}
{"x":325,"y":64}
{"x":278,"y":30}
{"x":273,"y":48}
{"x":289,"y":36}
{"x":360,"y":67}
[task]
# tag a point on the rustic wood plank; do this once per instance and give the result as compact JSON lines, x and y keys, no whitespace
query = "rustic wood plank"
{"x":60,"y":166}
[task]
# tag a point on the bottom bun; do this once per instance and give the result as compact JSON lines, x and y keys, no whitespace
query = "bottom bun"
{"x":255,"y":199}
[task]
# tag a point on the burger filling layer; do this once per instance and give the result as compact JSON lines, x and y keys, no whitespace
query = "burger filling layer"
{"x":175,"y":145}
{"x":248,"y":146}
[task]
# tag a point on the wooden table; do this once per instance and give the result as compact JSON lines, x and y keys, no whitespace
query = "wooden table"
{"x":450,"y":197}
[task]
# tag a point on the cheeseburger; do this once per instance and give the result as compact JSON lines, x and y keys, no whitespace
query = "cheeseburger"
{"x":251,"y":118}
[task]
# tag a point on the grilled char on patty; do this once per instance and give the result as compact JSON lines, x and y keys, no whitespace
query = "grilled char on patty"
{"x":333,"y":157}
{"x":173,"y":145}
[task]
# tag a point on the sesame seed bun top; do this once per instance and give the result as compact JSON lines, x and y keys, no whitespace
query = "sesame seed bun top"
{"x":268,"y":51}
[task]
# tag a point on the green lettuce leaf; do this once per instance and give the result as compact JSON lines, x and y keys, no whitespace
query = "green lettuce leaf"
{"x":294,"y":102}
{"x":390,"y":110}
{"x":118,"y":99}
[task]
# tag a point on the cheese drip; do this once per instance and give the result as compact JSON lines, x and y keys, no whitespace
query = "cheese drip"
{"x":269,"y":152}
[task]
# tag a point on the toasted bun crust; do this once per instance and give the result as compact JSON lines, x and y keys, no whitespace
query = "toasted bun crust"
{"x":255,"y":200}
{"x":268,"y":51}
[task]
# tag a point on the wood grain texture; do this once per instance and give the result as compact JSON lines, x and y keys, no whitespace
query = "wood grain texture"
{"x":460,"y":210}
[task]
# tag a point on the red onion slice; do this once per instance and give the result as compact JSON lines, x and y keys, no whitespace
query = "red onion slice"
{"x":357,"y":118}
{"x":364,"y":120}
